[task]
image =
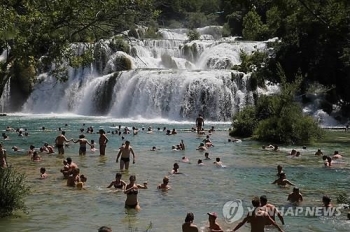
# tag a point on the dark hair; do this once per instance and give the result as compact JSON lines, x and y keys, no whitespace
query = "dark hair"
{"x":217,"y":159}
{"x":104,"y":229}
{"x":256,"y":202}
{"x":42,"y":169}
{"x":326,"y":199}
{"x":118,"y":174}
{"x":69,"y":160}
{"x":81,"y":136}
{"x":263,"y":198}
{"x":189,"y":217}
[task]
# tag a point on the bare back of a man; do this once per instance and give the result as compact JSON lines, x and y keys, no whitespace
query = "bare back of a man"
{"x":258,"y":221}
{"x":189,"y":227}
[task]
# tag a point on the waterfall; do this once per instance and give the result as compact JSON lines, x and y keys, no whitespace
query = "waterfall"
{"x":171,"y":78}
{"x":5,"y":97}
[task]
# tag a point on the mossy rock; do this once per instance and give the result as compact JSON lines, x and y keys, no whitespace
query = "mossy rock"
{"x":168,"y":62}
{"x":122,"y":63}
{"x":133,"y":33}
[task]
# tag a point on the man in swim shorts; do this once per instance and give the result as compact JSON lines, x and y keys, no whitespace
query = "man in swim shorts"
{"x":60,"y":140}
{"x":125,"y":156}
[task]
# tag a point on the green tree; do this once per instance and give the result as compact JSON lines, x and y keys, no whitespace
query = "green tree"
{"x":277,"y":118}
{"x":253,"y":27}
{"x":31,"y":29}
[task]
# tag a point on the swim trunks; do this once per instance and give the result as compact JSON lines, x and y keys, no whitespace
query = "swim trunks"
{"x":125,"y":160}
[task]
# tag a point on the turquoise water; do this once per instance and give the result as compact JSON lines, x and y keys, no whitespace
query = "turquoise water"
{"x":249,"y":172}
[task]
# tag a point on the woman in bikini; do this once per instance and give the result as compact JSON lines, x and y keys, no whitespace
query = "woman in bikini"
{"x":118,"y":183}
{"x":82,"y":141}
{"x":131,"y":191}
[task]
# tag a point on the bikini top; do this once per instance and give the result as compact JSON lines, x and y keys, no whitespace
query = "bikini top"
{"x":135,"y":192}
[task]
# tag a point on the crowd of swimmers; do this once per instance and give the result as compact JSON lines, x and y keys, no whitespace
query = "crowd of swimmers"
{"x":72,"y":174}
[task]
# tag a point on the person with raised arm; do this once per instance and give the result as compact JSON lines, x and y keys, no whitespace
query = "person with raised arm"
{"x":131,"y":191}
{"x":82,"y":141}
{"x":60,"y":140}
{"x":257,"y":218}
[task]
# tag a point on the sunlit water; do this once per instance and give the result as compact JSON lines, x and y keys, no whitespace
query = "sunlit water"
{"x":249,"y":172}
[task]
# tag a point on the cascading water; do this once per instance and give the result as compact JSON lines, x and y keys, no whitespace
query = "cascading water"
{"x":170,"y":78}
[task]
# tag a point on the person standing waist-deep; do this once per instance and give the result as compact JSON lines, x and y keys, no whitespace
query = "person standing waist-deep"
{"x":199,"y":123}
{"x":103,"y":140}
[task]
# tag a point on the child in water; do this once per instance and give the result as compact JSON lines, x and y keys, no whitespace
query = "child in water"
{"x":43,"y":173}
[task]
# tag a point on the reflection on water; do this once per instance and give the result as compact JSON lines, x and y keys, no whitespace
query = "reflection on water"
{"x":249,"y":172}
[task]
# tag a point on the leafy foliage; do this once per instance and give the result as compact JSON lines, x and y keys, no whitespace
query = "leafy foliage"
{"x":277,"y":118}
{"x":193,"y":35}
{"x":33,"y":28}
{"x":13,"y":190}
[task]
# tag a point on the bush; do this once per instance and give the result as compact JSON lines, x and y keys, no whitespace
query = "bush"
{"x":193,"y":35}
{"x":277,"y":118}
{"x":13,"y":190}
{"x":118,"y":44}
{"x":244,"y":122}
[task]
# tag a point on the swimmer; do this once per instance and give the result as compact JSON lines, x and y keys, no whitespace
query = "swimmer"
{"x":206,"y":155}
{"x":218,"y":163}
{"x":175,"y":169}
{"x":270,"y":209}
{"x":282,"y":180}
{"x":293,"y":152}
{"x":257,"y":218}
{"x":125,"y":156}
{"x":319,"y":152}
{"x":118,"y":183}
{"x":327,"y":161}
{"x":60,"y":142}
{"x":14,"y":148}
{"x":153,"y":149}
{"x":65,"y":170}
{"x":185,"y":160}
{"x":73,"y":178}
{"x":208,"y":142}
{"x":164,"y":186}
{"x":43,"y":173}
{"x":5,"y":137}
{"x":103,"y":140}
{"x":36,"y":157}
{"x":336,"y":155}
{"x":279,"y":170}
{"x":131,"y":191}
{"x":202,"y":147}
{"x":295,"y":197}
{"x":188,"y":225}
{"x":326,"y":202}
{"x":81,"y":182}
{"x":200,"y":162}
{"x":213,"y":225}
{"x":82,"y":141}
